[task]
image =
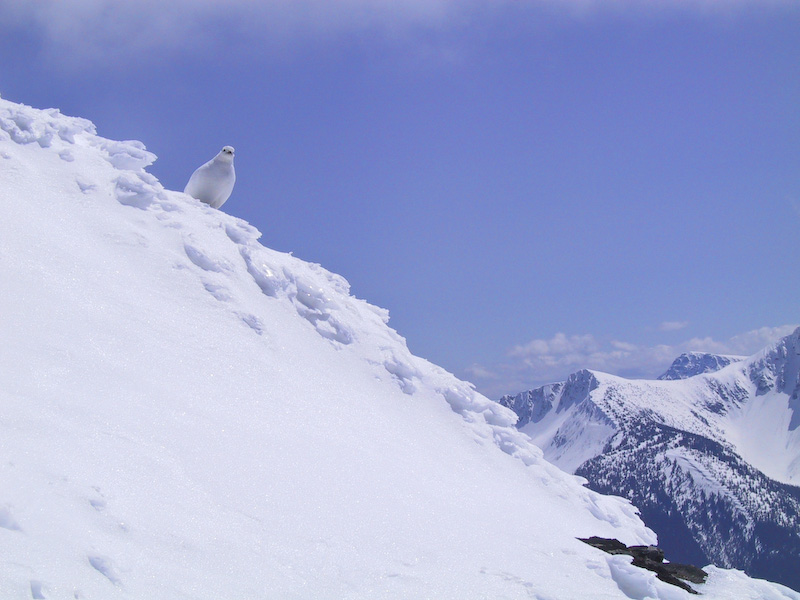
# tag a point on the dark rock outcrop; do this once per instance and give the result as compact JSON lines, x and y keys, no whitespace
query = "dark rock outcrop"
{"x":652,"y":559}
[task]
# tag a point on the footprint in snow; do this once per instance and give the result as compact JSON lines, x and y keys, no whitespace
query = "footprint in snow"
{"x":85,"y":187}
{"x":103,"y":565}
{"x":131,"y":190}
{"x":241,"y":233}
{"x":7,"y":520}
{"x":98,"y":504}
{"x":37,"y":590}
{"x":403,"y":372}
{"x":203,"y":260}
{"x":268,"y":280}
{"x":220,"y":292}
{"x":253,"y":323}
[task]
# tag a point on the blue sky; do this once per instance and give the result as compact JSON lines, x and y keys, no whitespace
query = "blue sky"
{"x":530,"y":187}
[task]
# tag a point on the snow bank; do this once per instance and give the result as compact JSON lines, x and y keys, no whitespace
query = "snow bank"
{"x":189,"y":414}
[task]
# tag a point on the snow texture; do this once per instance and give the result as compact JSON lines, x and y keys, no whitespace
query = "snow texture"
{"x":189,"y":414}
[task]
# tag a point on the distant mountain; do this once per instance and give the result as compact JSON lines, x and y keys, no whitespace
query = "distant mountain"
{"x":690,"y":364}
{"x":710,"y":452}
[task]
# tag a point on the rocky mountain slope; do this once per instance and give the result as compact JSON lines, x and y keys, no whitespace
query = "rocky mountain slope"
{"x":710,"y":453}
{"x":690,"y":364}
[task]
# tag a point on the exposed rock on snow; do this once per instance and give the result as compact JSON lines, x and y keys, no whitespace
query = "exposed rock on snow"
{"x":652,"y":559}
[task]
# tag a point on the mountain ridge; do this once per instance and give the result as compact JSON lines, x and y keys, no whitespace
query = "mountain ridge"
{"x":690,"y":364}
{"x":711,"y":459}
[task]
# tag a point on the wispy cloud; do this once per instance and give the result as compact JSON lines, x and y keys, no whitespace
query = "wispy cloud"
{"x":673,"y":325}
{"x":546,"y":360}
{"x":104,"y":31}
{"x":109,"y":31}
{"x":741,"y":344}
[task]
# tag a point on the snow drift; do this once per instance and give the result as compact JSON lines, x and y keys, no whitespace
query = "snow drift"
{"x":188,"y":414}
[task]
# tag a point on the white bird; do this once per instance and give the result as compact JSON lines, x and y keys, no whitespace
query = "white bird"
{"x":213,"y":182}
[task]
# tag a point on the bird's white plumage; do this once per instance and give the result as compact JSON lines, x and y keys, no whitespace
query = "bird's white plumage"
{"x":212,"y":183}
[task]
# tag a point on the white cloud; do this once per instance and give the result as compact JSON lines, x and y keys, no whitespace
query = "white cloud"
{"x":673,"y":325}
{"x":546,"y":360}
{"x":742,"y":344}
{"x":477,"y":371}
{"x":623,"y":346}
{"x":560,"y":344}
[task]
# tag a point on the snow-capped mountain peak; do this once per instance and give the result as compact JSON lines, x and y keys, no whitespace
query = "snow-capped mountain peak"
{"x":777,"y":369}
{"x":711,"y":430}
{"x":690,"y":364}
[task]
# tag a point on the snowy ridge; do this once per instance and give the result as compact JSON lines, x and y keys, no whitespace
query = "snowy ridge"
{"x":706,"y":456}
{"x":777,"y":370}
{"x":690,"y":364}
{"x":720,"y":405}
{"x":318,"y":296}
{"x":189,"y":414}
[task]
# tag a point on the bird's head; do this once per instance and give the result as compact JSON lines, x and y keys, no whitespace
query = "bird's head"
{"x":226,"y":154}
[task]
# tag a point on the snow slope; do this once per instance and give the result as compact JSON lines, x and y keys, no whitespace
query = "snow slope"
{"x":712,"y":458}
{"x":188,"y":414}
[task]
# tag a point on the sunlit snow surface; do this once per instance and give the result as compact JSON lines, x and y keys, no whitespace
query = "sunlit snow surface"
{"x":188,"y":414}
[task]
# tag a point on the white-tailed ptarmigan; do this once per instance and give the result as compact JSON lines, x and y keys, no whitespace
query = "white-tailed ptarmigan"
{"x":213,"y":182}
